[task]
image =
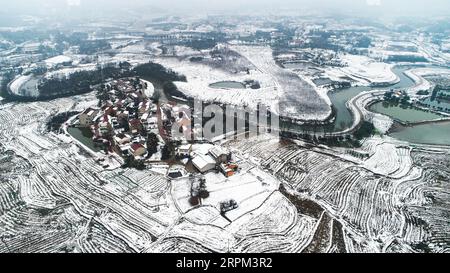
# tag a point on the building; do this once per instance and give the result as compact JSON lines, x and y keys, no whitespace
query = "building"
{"x":137,"y":149}
{"x":219,"y":154}
{"x":204,"y":163}
{"x":135,"y":126}
{"x":228,"y":169}
{"x":228,"y":205}
{"x":184,"y":150}
{"x":87,"y":117}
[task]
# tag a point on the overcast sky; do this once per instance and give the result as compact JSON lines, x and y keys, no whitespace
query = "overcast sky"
{"x":360,"y":7}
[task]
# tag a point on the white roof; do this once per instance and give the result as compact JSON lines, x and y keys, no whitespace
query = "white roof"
{"x":185,"y":147}
{"x":202,"y":148}
{"x":217,"y":151}
{"x":202,"y":161}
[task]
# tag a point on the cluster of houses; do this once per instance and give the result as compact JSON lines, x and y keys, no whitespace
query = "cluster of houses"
{"x":125,"y":119}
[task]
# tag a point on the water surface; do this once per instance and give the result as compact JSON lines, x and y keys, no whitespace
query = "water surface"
{"x":227,"y":84}
{"x":432,"y":133}
{"x":84,"y":135}
{"x":403,"y":114}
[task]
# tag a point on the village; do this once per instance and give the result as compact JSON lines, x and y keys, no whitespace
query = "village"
{"x":135,"y":128}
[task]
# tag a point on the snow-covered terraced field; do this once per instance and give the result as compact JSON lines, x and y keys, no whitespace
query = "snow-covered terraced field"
{"x":55,"y":197}
{"x":380,"y":202}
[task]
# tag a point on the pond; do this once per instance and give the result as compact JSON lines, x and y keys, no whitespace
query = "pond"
{"x":403,"y":114}
{"x":430,"y":133}
{"x":84,"y":135}
{"x":227,"y":85}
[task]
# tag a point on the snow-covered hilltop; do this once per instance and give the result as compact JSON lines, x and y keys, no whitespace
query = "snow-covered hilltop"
{"x":363,"y":70}
{"x":279,"y":88}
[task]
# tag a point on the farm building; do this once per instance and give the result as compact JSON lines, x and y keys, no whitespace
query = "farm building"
{"x":204,"y":163}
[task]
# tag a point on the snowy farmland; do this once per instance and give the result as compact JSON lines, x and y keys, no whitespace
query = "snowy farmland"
{"x":280,"y":88}
{"x":292,"y":198}
{"x":368,"y":198}
{"x":314,"y":188}
{"x":363,"y":70}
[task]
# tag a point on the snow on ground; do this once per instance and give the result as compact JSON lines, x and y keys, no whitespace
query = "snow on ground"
{"x":184,"y":51}
{"x":298,"y":98}
{"x":150,"y":89}
{"x":284,"y":229}
{"x":18,"y":82}
{"x":363,"y":69}
{"x":384,"y":161}
{"x":137,"y":48}
{"x":200,"y":76}
{"x":51,"y":62}
{"x":206,"y":215}
{"x":249,"y":188}
{"x":202,"y":149}
{"x":385,"y":54}
{"x":280,"y":89}
{"x":25,"y":86}
{"x":418,"y":74}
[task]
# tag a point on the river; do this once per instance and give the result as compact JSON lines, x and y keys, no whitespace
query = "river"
{"x":432,"y":133}
{"x":343,"y":117}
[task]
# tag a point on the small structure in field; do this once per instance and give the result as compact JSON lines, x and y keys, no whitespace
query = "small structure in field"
{"x":228,"y":205}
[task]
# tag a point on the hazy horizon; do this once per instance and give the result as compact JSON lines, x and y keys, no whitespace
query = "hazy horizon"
{"x":392,"y":8}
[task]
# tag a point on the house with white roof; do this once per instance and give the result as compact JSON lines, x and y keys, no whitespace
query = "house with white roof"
{"x":203,"y":163}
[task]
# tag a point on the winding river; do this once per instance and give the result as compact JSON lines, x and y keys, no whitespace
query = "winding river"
{"x":432,"y":133}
